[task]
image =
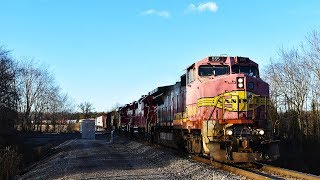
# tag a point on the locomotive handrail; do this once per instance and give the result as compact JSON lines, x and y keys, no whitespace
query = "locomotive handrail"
{"x":247,"y":103}
{"x":237,"y":96}
{"x":253,"y":106}
{"x":222,"y":117}
{"x":212,"y":112}
{"x":214,"y":108}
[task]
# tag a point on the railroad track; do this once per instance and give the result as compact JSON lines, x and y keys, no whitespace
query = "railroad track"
{"x":261,"y":172}
{"x":285,"y":173}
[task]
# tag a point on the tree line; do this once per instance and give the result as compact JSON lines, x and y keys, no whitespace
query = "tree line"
{"x":8,"y":91}
{"x":29,"y":94}
{"x":294,"y":79}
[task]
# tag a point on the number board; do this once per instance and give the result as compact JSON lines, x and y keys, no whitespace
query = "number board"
{"x":217,"y":58}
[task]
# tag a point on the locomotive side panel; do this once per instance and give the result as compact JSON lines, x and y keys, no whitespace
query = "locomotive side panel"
{"x":171,"y":106}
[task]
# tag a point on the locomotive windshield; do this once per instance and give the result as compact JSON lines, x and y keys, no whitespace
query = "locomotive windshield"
{"x":249,"y":70}
{"x":209,"y":70}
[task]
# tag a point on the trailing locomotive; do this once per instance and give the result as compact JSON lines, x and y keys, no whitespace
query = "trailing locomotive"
{"x":218,"y":109}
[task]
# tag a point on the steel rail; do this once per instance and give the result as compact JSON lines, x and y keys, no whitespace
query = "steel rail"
{"x":254,"y":174}
{"x":235,"y":170}
{"x":288,"y":172}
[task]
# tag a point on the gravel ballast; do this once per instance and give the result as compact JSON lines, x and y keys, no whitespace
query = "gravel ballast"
{"x":123,"y":159}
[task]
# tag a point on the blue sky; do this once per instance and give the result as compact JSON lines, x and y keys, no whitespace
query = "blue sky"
{"x":108,"y":51}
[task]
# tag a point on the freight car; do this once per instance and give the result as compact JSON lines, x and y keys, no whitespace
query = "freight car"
{"x":219,"y":109}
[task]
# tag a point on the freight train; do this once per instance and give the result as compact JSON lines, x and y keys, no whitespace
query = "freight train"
{"x":219,"y":109}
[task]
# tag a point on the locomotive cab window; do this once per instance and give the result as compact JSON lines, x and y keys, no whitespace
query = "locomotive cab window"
{"x":209,"y":70}
{"x":190,"y":75}
{"x":248,"y":70}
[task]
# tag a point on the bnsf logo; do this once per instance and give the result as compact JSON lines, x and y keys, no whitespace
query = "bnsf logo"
{"x":234,"y":101}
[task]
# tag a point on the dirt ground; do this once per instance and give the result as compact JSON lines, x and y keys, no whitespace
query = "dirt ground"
{"x":122,"y":159}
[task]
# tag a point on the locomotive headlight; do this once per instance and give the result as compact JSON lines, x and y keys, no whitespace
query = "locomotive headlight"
{"x":260,"y":131}
{"x":229,"y":132}
{"x":240,"y":82}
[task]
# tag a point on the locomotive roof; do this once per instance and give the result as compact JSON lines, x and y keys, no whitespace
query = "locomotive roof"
{"x":225,"y":60}
{"x":159,"y":90}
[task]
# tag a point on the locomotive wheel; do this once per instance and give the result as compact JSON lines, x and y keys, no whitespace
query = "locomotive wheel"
{"x":196,"y":146}
{"x":216,"y":153}
{"x":189,"y":146}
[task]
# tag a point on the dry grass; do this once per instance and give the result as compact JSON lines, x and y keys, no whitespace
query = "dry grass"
{"x":9,"y":162}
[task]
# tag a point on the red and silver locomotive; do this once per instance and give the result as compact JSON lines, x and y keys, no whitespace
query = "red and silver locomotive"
{"x":219,"y":109}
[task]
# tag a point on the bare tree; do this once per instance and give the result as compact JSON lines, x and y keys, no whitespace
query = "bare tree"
{"x":311,"y":51}
{"x":297,"y":76}
{"x":86,"y":108}
{"x":35,"y":86}
{"x":294,"y":85}
{"x":289,"y":81}
{"x":8,"y":91}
